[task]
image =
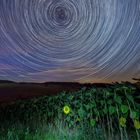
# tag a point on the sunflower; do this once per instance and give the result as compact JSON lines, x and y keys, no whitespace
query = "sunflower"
{"x":66,"y":109}
{"x":137,"y":124}
{"x":122,"y":121}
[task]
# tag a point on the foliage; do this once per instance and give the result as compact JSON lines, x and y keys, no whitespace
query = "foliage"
{"x":113,"y":109}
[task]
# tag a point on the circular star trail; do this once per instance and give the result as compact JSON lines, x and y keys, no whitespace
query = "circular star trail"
{"x":69,"y":40}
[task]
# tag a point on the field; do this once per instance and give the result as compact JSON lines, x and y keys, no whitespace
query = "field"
{"x":92,"y":113}
{"x":11,"y":91}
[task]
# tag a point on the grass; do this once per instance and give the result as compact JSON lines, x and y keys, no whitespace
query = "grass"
{"x":110,"y":113}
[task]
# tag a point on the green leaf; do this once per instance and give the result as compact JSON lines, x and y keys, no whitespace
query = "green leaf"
{"x":71,"y":97}
{"x":108,"y":93}
{"x":112,"y":110}
{"x":68,"y":118}
{"x":118,"y":99}
{"x":81,"y":112}
{"x":92,"y":122}
{"x":109,"y":102}
{"x":117,"y":89}
{"x":124,"y":108}
{"x":96,"y":111}
{"x":102,"y":102}
{"x":130,"y":98}
{"x":134,"y":114}
{"x":125,"y":88}
{"x":105,"y":110}
{"x":88,"y":106}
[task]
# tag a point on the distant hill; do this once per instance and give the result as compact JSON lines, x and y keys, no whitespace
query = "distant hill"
{"x":6,"y":81}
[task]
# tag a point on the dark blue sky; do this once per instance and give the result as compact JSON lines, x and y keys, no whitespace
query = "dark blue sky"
{"x":69,"y":40}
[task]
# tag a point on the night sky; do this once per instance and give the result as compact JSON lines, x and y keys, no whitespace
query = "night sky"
{"x":69,"y":40}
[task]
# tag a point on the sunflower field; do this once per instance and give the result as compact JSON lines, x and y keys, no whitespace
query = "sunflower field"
{"x":95,"y":113}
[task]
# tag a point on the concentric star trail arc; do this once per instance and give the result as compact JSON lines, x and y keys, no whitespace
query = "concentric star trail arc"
{"x":69,"y":40}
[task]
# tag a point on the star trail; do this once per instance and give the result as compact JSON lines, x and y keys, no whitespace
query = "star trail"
{"x":69,"y":40}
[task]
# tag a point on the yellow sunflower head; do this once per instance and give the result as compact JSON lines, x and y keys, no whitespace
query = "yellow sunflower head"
{"x":66,"y":109}
{"x":122,"y":121}
{"x":137,"y":124}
